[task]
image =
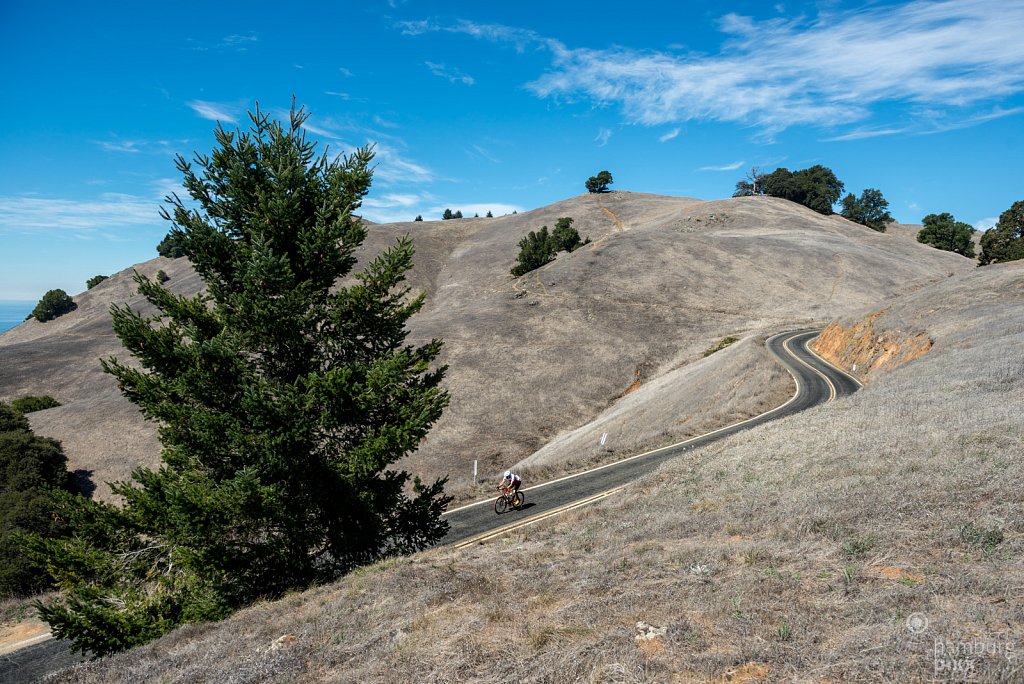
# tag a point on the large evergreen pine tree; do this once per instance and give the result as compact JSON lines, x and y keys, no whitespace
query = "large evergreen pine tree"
{"x":283,"y":394}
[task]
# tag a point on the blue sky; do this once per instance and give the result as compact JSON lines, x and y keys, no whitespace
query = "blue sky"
{"x":497,"y":106}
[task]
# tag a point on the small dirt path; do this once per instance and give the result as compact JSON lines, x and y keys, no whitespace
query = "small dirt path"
{"x":14,"y":636}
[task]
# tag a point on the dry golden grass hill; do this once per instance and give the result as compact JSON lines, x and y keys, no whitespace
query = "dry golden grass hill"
{"x":542,"y":363}
{"x":876,"y":538}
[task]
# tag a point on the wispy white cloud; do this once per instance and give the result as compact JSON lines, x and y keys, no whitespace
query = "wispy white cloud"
{"x":518,"y":38}
{"x":603,"y":136}
{"x":674,"y":133}
{"x":728,"y":167}
{"x":451,"y":73}
{"x":986,"y":223}
{"x":394,"y":167}
{"x":237,"y":42}
{"x":106,"y":212}
{"x":215,"y":111}
{"x":131,"y":146}
{"x":384,"y":123}
{"x":864,"y":133}
{"x":838,"y":68}
{"x":485,"y":153}
{"x":137,"y":146}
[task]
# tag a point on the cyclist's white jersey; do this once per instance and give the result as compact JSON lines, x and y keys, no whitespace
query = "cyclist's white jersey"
{"x":513,"y":478}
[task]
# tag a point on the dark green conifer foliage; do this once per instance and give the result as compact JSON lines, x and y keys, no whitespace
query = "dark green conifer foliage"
{"x":871,"y":209}
{"x":53,"y":304}
{"x":30,"y":467}
{"x":815,"y":187}
{"x":1004,"y":241}
{"x":535,"y":250}
{"x":599,"y":183}
{"x":565,"y":238}
{"x":942,"y":231}
{"x":282,"y":403}
{"x":540,"y":247}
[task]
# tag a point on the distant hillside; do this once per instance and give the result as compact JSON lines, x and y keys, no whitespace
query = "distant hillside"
{"x":877,"y":538}
{"x":664,"y":279}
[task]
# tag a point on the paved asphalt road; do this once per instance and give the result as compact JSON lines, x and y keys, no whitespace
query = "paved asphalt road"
{"x":817,"y":382}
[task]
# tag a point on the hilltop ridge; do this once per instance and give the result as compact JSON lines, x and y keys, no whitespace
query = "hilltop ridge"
{"x":663,"y":279}
{"x":878,"y":537}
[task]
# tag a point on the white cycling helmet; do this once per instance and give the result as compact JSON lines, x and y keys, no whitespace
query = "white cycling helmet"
{"x":508,"y":474}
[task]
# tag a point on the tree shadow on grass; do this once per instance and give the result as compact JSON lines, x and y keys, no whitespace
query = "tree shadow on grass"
{"x":81,"y":483}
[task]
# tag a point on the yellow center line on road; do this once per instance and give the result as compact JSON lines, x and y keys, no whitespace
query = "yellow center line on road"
{"x":831,"y":387}
{"x":481,"y":538}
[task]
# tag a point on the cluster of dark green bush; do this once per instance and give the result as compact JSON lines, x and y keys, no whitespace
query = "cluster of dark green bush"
{"x":540,"y":247}
{"x":172,"y":246}
{"x":725,"y":342}
{"x":1004,"y":241}
{"x":53,"y":304}
{"x":94,"y":281}
{"x":816,"y":187}
{"x":30,"y":404}
{"x":599,"y":183}
{"x":819,"y":189}
{"x":942,"y":231}
{"x":31,"y":468}
{"x":870,"y":209}
{"x":449,"y":214}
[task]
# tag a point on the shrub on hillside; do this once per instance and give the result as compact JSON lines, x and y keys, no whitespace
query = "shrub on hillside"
{"x":1004,"y":242}
{"x":53,"y":304}
{"x":172,"y":246}
{"x":750,"y":186}
{"x":535,"y":250}
{"x":725,"y":342}
{"x":30,"y":467}
{"x":564,"y":237}
{"x":540,"y":247}
{"x":94,"y":281}
{"x":162,"y":277}
{"x":599,"y":183}
{"x":30,"y":404}
{"x":815,"y":187}
{"x":944,"y":232}
{"x":871,"y":209}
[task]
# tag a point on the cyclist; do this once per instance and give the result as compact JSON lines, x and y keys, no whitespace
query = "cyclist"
{"x":514,"y":482}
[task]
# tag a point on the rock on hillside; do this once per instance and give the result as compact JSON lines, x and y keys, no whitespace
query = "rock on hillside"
{"x":663,"y":279}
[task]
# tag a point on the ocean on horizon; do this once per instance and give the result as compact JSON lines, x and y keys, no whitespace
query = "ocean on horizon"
{"x":13,"y":312}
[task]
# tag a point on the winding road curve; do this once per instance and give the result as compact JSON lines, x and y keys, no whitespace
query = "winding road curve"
{"x":817,"y":382}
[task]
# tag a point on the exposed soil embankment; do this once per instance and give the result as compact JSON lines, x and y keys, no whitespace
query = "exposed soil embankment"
{"x":863,"y":350}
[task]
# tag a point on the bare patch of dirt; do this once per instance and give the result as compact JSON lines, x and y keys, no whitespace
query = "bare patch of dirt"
{"x":12,"y":634}
{"x":863,"y":351}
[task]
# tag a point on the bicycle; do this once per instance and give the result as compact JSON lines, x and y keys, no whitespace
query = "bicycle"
{"x":506,"y":500}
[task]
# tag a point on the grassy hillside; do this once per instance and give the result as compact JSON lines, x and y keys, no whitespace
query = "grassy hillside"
{"x":879,"y":538}
{"x":541,"y":357}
